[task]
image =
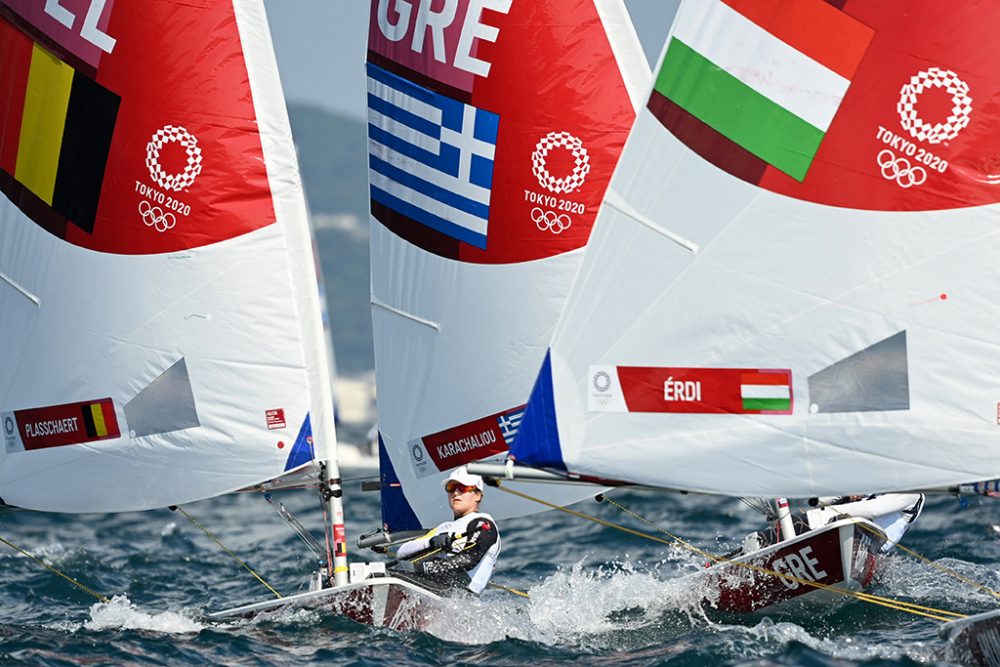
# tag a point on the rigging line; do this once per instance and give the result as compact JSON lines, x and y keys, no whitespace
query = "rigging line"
{"x":55,"y":571}
{"x":224,"y":548}
{"x":885,"y":602}
{"x":297,"y":526}
{"x":327,"y":528}
{"x":509,"y":590}
{"x":867,"y":597}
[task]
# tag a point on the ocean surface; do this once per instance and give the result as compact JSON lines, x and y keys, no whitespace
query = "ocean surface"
{"x":597,"y":596}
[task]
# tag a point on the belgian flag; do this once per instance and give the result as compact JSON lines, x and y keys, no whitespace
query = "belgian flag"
{"x":56,"y":126}
{"x":99,"y":419}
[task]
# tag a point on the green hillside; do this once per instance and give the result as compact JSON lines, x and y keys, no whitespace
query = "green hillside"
{"x":333,"y":159}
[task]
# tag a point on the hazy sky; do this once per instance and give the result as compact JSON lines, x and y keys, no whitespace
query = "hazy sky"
{"x":320,"y":46}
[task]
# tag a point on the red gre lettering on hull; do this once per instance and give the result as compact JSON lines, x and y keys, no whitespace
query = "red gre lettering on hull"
{"x":818,"y":559}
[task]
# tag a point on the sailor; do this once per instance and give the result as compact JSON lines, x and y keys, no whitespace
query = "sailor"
{"x":461,"y":552}
{"x":892,"y":512}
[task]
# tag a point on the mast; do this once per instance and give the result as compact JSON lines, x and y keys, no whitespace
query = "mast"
{"x":301,"y":244}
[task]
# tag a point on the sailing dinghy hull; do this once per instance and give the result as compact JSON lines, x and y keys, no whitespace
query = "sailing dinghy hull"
{"x":387,"y":602}
{"x":841,"y":556}
{"x":973,"y":641}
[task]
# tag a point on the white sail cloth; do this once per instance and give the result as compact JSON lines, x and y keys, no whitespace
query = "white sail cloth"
{"x":739,"y":330}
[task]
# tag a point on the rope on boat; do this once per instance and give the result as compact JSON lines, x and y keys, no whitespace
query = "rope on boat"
{"x":908,"y":607}
{"x":226,"y":549}
{"x":509,"y":590}
{"x":55,"y":571}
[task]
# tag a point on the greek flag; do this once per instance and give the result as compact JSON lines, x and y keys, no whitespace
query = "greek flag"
{"x":430,"y":158}
{"x":509,"y":422}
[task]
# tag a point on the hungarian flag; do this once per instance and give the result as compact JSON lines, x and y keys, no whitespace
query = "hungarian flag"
{"x":767,"y":75}
{"x":766,"y":392}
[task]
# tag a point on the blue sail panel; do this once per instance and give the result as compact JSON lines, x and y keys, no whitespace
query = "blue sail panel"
{"x":396,"y":511}
{"x":537,"y":441}
{"x":302,"y":451}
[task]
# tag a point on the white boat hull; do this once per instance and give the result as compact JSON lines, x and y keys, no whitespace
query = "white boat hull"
{"x":387,"y":602}
{"x":839,"y":557}
{"x":974,"y":641}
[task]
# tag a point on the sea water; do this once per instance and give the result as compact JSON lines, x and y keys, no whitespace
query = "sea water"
{"x":596,"y":595}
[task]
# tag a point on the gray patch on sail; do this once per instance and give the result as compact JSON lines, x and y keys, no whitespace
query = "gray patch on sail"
{"x":874,"y":379}
{"x":166,"y":405}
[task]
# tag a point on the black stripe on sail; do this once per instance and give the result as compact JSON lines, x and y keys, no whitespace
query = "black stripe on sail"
{"x":33,"y":207}
{"x":88,"y":421}
{"x":420,"y":79}
{"x":90,"y":124}
{"x":706,"y":141}
{"x":416,"y":233}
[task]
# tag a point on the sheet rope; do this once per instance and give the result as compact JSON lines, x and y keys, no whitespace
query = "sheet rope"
{"x":68,"y":578}
{"x":226,"y":549}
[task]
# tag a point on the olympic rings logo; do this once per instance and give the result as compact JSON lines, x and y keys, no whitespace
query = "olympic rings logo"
{"x":557,"y":223}
{"x":581,"y":162}
{"x":153,"y":216}
{"x":900,"y":170}
{"x":173,"y":134}
{"x":602,"y":381}
{"x":961,"y":109}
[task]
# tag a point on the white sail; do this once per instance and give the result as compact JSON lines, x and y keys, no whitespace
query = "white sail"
{"x":494,"y":128}
{"x":159,"y":322}
{"x":789,"y":290}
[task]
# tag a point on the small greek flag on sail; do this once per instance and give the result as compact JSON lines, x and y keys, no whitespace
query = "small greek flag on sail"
{"x":430,"y":158}
{"x":509,"y":422}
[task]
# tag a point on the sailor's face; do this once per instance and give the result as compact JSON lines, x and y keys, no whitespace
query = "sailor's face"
{"x":463,"y":499}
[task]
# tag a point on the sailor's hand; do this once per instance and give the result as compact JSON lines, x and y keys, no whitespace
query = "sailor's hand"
{"x":380,"y":548}
{"x":442,"y":541}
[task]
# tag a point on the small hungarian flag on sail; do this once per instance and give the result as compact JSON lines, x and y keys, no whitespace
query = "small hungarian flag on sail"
{"x":768,"y":75}
{"x":767,"y":392}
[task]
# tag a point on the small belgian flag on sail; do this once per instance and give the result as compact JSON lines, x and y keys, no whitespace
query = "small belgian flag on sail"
{"x":56,"y":126}
{"x":99,"y":418}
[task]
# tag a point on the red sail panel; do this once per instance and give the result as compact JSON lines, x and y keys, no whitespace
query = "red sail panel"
{"x":542,"y":171}
{"x":916,"y":129}
{"x":177,"y":138}
{"x":814,"y":27}
{"x":15,"y":62}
